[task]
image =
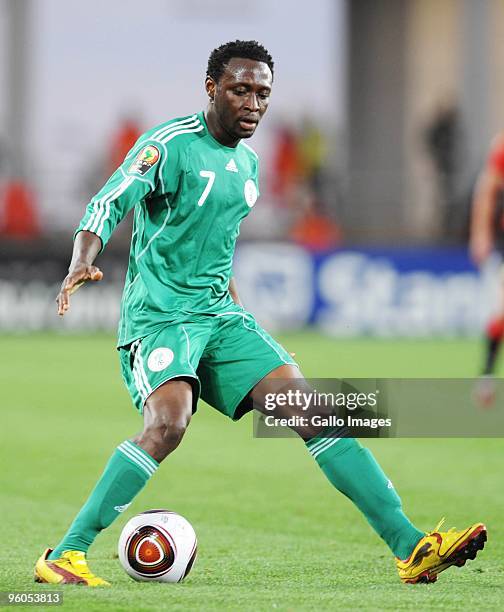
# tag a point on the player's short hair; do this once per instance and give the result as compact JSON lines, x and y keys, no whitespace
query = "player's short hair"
{"x":247,"y":49}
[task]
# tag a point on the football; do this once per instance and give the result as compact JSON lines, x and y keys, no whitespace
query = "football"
{"x":158,"y":545}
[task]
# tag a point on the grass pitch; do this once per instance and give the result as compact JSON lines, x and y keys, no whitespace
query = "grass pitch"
{"x":273,"y":534}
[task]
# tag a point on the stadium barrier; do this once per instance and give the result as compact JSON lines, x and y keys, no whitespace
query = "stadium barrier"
{"x":387,"y":292}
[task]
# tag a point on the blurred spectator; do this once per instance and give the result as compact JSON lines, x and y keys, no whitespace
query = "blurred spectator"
{"x":314,"y":229}
{"x":443,"y":137}
{"x":19,"y":216}
{"x":299,"y":186}
{"x":313,"y":151}
{"x":287,"y":166}
{"x":127,"y":133}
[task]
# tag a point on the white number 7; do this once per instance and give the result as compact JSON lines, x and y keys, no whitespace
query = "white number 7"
{"x":208,"y":174}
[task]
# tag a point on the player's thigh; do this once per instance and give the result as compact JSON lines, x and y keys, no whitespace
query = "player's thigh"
{"x":283,"y":379}
{"x":172,"y":352}
{"x":239,"y":354}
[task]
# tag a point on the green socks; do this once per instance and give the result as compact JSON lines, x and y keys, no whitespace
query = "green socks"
{"x":349,"y":467}
{"x":354,"y":471}
{"x":126,"y":473}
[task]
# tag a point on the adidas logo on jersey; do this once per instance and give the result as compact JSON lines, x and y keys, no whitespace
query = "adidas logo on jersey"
{"x":231,"y":166}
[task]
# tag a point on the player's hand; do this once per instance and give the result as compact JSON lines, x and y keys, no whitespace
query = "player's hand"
{"x":480,"y":248}
{"x":75,"y":278}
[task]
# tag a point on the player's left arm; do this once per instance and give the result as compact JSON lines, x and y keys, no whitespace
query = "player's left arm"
{"x":233,"y":291}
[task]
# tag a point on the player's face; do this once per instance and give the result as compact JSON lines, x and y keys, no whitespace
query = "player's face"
{"x":241,"y":96}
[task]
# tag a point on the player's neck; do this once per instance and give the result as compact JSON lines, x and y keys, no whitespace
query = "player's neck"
{"x":217,"y":131}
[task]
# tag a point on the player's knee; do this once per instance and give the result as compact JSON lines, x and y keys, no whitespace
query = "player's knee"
{"x":172,"y":432}
{"x":163,"y":438}
{"x":164,"y":432}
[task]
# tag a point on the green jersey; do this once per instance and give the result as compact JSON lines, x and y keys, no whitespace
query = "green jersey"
{"x":189,"y":194}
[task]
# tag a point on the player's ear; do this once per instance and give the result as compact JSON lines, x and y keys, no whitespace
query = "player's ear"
{"x":210,"y":87}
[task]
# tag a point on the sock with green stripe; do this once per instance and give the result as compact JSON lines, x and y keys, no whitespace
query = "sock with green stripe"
{"x":126,"y":473}
{"x":354,"y":471}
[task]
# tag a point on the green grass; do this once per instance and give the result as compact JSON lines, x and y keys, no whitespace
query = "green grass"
{"x":273,"y":534}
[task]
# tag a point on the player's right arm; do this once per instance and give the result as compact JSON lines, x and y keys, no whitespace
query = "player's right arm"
{"x":489,"y":184}
{"x":131,"y":183}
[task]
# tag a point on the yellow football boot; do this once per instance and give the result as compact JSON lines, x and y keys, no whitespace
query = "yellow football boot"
{"x":438,"y":550}
{"x":70,"y":568}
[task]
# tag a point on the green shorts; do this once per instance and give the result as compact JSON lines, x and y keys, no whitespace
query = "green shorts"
{"x":225,"y":356}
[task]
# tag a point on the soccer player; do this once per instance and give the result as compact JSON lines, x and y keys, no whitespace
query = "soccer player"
{"x":487,"y":237}
{"x":183,"y":333}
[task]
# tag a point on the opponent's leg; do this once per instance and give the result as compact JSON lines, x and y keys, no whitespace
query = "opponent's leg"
{"x":493,"y":336}
{"x":485,"y":389}
{"x":167,"y":413}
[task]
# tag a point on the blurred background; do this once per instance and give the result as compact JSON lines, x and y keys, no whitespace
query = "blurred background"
{"x":380,"y":120}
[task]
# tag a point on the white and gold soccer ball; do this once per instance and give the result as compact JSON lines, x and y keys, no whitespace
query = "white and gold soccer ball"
{"x":158,"y":545}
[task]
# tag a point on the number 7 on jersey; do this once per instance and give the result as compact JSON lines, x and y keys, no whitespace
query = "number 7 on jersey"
{"x":208,"y":174}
